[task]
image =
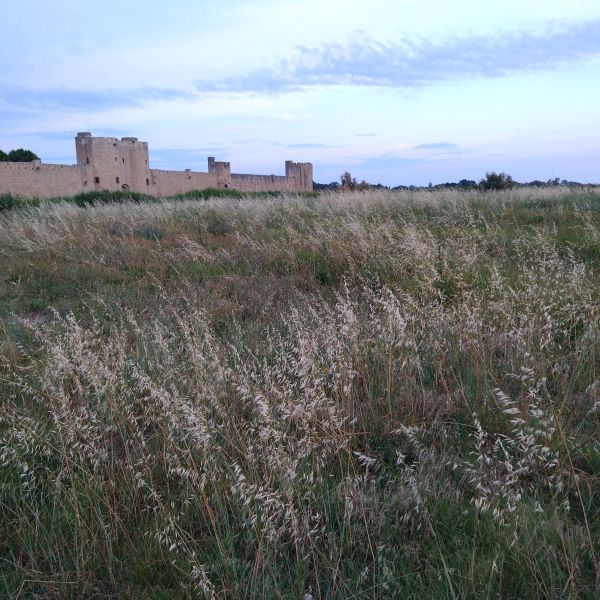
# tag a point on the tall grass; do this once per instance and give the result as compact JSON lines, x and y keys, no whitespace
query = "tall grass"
{"x":358,"y":396}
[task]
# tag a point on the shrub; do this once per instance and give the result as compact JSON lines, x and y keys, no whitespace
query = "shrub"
{"x":348,"y":182}
{"x":497,"y":181}
{"x":8,"y":201}
{"x":210,"y":193}
{"x":109,"y":197}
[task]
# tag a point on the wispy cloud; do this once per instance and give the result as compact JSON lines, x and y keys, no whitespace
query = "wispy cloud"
{"x":309,"y":145}
{"x":67,"y":99}
{"x":442,"y":146}
{"x":55,"y":135}
{"x":415,"y":61}
{"x":388,"y":161}
{"x":284,"y":144}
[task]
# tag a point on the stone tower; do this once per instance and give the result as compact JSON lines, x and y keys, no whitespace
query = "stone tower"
{"x":302,"y":173}
{"x":222,"y":170}
{"x":107,"y":163}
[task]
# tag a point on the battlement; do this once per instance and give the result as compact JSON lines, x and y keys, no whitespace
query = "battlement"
{"x":110,"y":163}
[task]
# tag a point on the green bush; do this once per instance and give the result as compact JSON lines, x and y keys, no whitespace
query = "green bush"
{"x":8,"y":201}
{"x":497,"y":181}
{"x":210,"y":193}
{"x":109,"y":197}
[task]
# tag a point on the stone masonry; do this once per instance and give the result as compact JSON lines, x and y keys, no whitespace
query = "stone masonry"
{"x":106,"y":163}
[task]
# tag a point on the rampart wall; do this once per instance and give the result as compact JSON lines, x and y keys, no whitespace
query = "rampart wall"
{"x":169,"y":183}
{"x":33,"y":179}
{"x":262,"y":183}
{"x":107,"y":163}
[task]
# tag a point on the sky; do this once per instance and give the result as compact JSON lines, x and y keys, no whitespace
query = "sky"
{"x":398,"y":92}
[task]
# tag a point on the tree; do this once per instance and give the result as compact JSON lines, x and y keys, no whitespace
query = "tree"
{"x":348,"y":182}
{"x":467,"y":184}
{"x":334,"y":185}
{"x":3,"y":156}
{"x":497,"y":181}
{"x":22,"y":155}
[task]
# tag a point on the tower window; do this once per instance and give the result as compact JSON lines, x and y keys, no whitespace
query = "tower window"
{"x":115,"y":159}
{"x":147,"y":182}
{"x":117,"y":180}
{"x":123,"y":161}
{"x":87,"y":160}
{"x":96,"y":179}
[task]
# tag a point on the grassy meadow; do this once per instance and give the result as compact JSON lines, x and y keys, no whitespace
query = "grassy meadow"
{"x":351,"y":396}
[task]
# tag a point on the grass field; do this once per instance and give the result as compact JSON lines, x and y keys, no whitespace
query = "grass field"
{"x":369,"y":395}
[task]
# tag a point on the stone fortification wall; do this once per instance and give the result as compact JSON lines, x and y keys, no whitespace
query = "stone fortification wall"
{"x":298,"y":178}
{"x":168,"y":183}
{"x":31,"y":179}
{"x":262,"y":183}
{"x":107,"y":163}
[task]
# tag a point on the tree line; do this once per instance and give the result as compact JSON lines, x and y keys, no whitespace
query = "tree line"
{"x":491,"y":181}
{"x":18,"y":155}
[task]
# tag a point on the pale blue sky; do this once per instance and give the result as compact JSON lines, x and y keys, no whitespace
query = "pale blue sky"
{"x":396,"y":91}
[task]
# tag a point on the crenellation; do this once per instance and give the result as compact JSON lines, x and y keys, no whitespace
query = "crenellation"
{"x":110,"y":163}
